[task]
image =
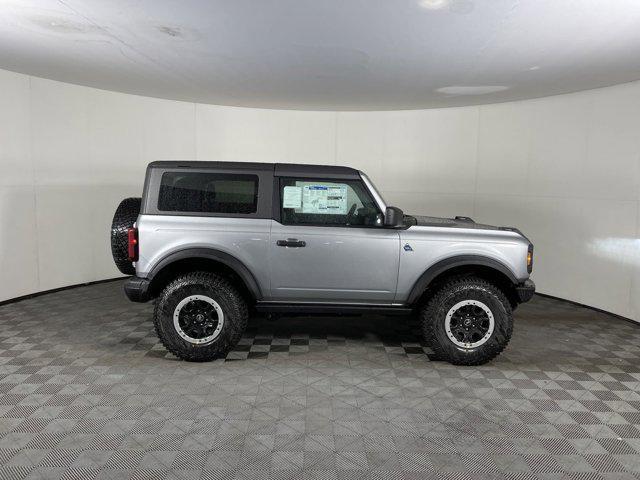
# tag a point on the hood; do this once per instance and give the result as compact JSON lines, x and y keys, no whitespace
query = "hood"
{"x":457,"y":222}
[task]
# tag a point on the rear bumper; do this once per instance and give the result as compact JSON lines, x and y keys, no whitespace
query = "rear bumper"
{"x":525,"y":290}
{"x":137,"y":289}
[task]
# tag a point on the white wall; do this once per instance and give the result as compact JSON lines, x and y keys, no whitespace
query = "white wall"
{"x":564,"y":169}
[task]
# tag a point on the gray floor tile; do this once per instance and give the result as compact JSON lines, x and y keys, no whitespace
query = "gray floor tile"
{"x":87,"y":391}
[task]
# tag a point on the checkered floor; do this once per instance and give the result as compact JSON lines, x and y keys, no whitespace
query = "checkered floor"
{"x":86,"y":391}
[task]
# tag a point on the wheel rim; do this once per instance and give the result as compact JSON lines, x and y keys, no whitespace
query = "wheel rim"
{"x":469,"y":324}
{"x":198,"y":319}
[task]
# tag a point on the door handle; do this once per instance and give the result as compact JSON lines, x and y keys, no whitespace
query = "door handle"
{"x":291,"y":242}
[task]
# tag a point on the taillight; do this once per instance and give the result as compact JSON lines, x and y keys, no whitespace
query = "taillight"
{"x":133,"y":244}
{"x":530,"y":258}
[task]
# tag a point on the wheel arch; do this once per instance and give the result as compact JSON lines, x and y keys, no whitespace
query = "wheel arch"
{"x":204,"y":259}
{"x":460,"y":266}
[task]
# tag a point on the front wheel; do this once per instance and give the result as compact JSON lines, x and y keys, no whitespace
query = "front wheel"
{"x":467,"y":322}
{"x":200,"y":316}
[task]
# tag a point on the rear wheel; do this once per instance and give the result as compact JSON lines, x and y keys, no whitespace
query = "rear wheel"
{"x":467,"y":322}
{"x":200,"y":316}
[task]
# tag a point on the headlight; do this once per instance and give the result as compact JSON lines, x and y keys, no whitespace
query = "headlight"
{"x":530,"y":258}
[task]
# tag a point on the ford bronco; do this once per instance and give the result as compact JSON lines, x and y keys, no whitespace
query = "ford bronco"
{"x":210,"y":241}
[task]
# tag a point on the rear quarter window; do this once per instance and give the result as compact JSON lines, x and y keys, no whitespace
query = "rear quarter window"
{"x":201,"y":192}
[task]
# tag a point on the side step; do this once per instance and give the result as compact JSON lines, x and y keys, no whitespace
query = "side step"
{"x":330,"y":309}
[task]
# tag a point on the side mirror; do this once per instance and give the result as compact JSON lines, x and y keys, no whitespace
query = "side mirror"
{"x":393,"y":217}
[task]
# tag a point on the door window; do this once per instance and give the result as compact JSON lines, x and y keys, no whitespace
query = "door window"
{"x":327,"y":203}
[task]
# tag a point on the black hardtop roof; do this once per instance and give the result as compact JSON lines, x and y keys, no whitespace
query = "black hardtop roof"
{"x":278,"y":169}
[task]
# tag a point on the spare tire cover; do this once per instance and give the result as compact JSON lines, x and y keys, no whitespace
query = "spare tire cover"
{"x":124,"y":218}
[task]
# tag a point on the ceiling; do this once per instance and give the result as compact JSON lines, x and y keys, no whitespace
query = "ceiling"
{"x":326,"y":54}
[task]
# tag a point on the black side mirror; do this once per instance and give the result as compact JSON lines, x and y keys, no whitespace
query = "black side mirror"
{"x":393,"y":217}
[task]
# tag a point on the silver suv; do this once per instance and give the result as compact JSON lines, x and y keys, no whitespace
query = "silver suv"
{"x":210,"y":241}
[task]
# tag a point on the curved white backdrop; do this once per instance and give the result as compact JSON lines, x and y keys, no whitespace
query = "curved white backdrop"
{"x":564,"y":169}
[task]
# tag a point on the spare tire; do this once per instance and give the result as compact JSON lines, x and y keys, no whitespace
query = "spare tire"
{"x":124,"y":218}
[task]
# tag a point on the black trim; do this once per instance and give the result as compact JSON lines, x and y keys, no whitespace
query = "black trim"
{"x":55,"y":290}
{"x":278,"y":169}
{"x":440,"y":267}
{"x":275,"y":200}
{"x":525,"y":290}
{"x":259,"y":166}
{"x":137,"y":289}
{"x":330,"y":309}
{"x":146,"y":189}
{"x":331,"y":172}
{"x":209,"y":253}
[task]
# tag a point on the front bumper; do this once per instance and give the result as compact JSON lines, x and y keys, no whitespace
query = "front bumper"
{"x":137,"y":289}
{"x":525,"y":290}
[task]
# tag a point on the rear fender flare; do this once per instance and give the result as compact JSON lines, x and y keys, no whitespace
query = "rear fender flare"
{"x":211,"y":254}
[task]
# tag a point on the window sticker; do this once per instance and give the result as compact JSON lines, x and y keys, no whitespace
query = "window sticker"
{"x":325,"y":199}
{"x":292,"y":197}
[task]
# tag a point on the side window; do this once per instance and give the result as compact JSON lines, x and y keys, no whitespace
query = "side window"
{"x":326,"y":202}
{"x":208,"y":192}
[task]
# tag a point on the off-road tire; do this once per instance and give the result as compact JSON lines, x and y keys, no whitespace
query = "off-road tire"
{"x":217,"y":288}
{"x":433,"y":316}
{"x":124,"y":218}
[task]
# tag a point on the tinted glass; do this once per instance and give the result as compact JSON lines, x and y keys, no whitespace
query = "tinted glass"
{"x":208,"y":192}
{"x":318,"y":202}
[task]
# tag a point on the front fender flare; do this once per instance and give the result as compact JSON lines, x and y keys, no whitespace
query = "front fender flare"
{"x":452,"y":262}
